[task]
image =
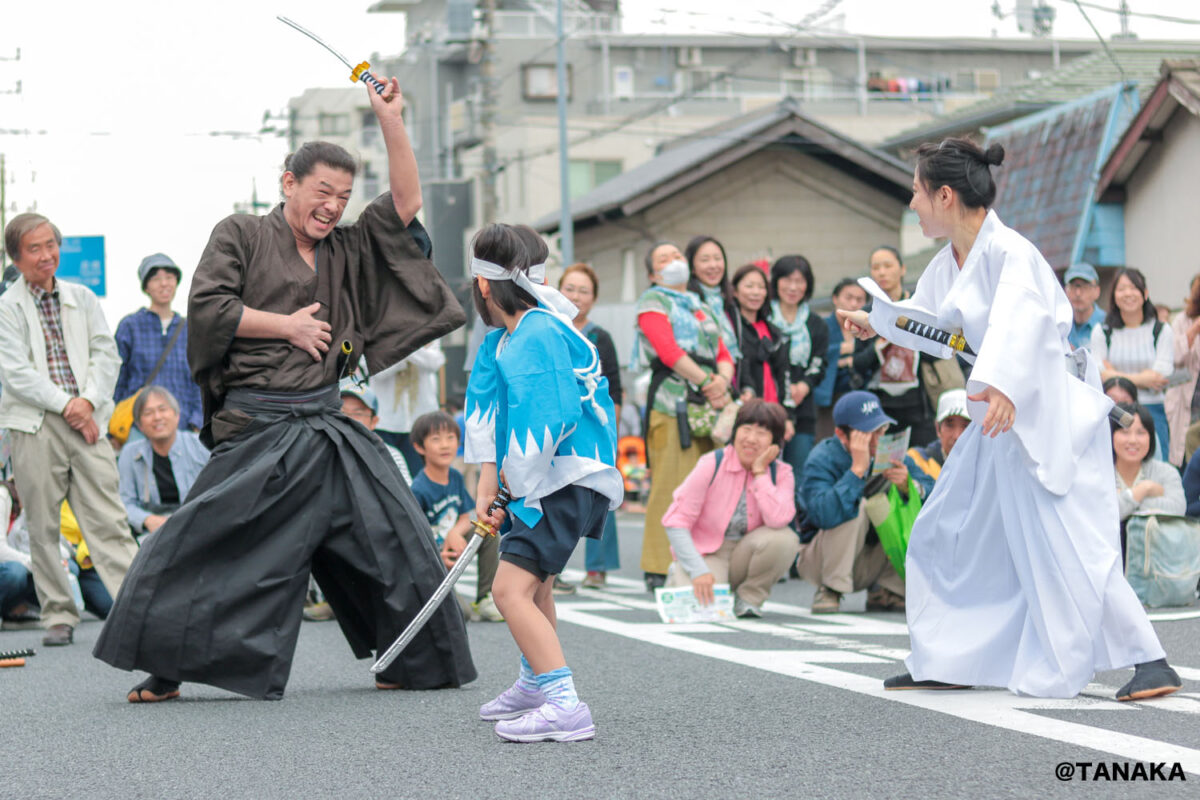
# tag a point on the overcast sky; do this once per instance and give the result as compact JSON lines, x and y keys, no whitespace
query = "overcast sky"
{"x":120,"y":98}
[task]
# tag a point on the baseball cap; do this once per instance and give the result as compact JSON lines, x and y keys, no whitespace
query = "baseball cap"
{"x":157,"y":261}
{"x":1082,"y":271}
{"x":952,"y":403}
{"x":362,"y":391}
{"x":861,"y":411}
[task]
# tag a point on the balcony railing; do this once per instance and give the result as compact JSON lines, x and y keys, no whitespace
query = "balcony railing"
{"x":530,"y":25}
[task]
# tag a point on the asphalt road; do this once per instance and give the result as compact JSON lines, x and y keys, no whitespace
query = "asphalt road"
{"x":786,"y":706}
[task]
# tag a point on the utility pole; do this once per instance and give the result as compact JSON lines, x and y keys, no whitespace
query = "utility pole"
{"x":255,"y":205}
{"x":487,"y":74}
{"x":566,"y":225}
{"x":1124,"y":12}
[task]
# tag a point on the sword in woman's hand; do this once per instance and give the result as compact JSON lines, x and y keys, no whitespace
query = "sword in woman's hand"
{"x":481,"y":530}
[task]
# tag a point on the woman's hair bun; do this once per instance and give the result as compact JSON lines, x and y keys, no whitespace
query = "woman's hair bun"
{"x":994,"y":155}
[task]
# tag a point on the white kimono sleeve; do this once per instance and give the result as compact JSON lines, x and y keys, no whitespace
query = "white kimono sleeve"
{"x":479,"y":408}
{"x":920,"y":307}
{"x":1021,"y":355}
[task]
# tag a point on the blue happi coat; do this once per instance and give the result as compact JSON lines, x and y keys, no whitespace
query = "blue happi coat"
{"x":537,"y":405}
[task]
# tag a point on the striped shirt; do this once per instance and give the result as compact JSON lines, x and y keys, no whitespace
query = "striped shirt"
{"x":1134,"y":349}
{"x":50,"y":315}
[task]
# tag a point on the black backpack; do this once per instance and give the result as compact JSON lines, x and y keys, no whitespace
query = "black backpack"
{"x":1158,"y":326}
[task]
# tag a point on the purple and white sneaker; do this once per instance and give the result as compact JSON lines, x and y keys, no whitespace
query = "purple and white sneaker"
{"x":549,"y":724}
{"x":513,"y":702}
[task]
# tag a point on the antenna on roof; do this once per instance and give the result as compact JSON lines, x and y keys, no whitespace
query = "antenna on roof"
{"x":1104,"y":44}
{"x":1125,"y":14}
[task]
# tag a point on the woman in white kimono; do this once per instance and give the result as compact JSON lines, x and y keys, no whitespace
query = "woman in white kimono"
{"x":1014,"y":574}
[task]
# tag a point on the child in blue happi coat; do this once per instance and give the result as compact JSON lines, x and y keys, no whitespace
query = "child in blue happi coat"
{"x":538,"y":418}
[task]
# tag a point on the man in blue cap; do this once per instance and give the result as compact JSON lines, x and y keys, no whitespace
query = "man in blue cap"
{"x":845,"y":555}
{"x":360,"y":403}
{"x":1082,"y":286}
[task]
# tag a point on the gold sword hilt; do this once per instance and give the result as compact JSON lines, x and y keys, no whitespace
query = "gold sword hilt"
{"x":503,"y":498}
{"x":360,"y":73}
{"x":955,"y":341}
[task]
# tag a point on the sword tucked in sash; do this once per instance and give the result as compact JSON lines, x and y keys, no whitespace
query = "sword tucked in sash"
{"x":958,"y":342}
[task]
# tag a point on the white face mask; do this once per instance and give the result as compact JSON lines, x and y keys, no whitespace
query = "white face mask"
{"x":674,"y":273}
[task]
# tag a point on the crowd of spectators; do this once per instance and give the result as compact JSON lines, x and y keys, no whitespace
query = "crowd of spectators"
{"x":761,"y":425}
{"x":710,"y":334}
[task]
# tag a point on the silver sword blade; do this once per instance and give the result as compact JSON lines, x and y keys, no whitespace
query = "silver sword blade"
{"x":431,"y":606}
{"x":316,"y":39}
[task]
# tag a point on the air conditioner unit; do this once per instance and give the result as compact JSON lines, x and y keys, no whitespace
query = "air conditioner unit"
{"x":690,"y":57}
{"x":804,"y":57}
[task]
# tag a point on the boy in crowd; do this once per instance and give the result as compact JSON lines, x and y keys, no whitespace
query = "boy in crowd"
{"x":442,"y":495}
{"x":952,"y":419}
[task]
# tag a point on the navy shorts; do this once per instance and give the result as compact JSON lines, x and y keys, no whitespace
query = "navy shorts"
{"x":568,"y":515}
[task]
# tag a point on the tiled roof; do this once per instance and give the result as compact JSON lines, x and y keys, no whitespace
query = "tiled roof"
{"x":1044,"y":188}
{"x":1179,"y":87}
{"x":1077,"y":78}
{"x":693,"y":156}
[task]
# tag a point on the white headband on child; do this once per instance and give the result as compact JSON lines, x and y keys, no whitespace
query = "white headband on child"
{"x":531,"y":281}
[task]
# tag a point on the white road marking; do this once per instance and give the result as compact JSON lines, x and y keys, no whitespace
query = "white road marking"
{"x":824,"y":644}
{"x":820,"y":633}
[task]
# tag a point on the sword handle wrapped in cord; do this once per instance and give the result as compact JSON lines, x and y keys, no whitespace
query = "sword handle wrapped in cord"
{"x":481,"y":529}
{"x":955,"y":341}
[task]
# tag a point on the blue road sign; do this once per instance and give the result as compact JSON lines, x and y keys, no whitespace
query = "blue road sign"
{"x":81,"y":260}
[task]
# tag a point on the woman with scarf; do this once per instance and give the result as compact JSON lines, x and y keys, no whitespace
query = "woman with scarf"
{"x":679,"y":342}
{"x":708,"y":279}
{"x":764,"y":368}
{"x":791,"y":289}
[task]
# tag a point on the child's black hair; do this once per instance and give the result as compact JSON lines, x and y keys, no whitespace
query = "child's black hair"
{"x":428,"y":424}
{"x":504,"y":246}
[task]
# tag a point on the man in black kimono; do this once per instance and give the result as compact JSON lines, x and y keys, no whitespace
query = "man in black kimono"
{"x":215,"y":596}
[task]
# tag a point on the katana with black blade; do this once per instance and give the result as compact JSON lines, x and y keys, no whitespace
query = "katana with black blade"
{"x":956,"y":341}
{"x":481,"y":530}
{"x":358,"y":73}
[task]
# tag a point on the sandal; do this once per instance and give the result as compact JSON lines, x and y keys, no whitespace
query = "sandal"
{"x":153,"y":690}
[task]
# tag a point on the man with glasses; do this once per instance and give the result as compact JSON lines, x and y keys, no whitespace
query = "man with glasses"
{"x":360,"y":404}
{"x":1082,"y":285}
{"x":158,"y":471}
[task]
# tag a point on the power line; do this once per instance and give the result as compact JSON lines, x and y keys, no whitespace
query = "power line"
{"x":1145,"y":14}
{"x":1103,"y":43}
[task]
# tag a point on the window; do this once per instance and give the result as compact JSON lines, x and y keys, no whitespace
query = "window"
{"x":370,"y":128}
{"x":812,"y":83}
{"x":978,"y":80}
{"x":370,"y":181}
{"x":333,"y":124}
{"x":540,"y":81}
{"x":710,"y":83}
{"x":587,"y":175}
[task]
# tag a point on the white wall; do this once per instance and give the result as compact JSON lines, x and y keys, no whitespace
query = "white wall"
{"x":1162,"y":209}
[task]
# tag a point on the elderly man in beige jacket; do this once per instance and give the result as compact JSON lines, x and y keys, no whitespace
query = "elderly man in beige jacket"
{"x":58,"y":367}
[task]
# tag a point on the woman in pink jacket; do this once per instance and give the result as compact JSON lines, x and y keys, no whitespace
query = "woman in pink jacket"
{"x":729,"y":520}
